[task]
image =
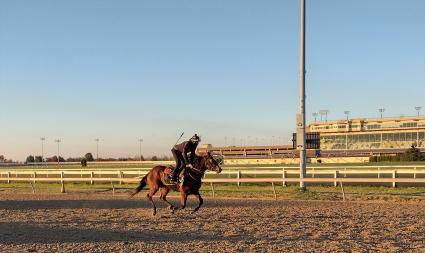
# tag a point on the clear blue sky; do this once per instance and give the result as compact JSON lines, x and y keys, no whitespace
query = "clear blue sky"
{"x":227,"y":70}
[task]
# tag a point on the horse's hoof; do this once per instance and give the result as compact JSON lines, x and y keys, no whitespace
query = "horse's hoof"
{"x":153,"y":213}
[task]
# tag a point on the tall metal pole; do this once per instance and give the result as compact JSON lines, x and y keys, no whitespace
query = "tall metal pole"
{"x":140,"y":140}
{"x":418,"y":108}
{"x":303,"y":159}
{"x":58,"y":141}
{"x":42,"y":148}
{"x":97,"y":148}
{"x":346,"y":113}
{"x":381,"y":110}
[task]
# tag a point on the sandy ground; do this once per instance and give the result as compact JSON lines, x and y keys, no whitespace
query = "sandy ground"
{"x":106,"y":223}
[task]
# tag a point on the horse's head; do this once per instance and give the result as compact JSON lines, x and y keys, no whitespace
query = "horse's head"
{"x":211,"y":163}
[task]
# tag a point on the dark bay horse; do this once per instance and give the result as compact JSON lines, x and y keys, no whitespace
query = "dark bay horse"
{"x":191,"y":184}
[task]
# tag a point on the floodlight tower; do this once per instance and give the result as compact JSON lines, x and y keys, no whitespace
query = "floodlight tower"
{"x":381,"y":111}
{"x":58,"y":141}
{"x":97,"y":148}
{"x":418,"y":108}
{"x":42,"y":148}
{"x":140,"y":140}
{"x":346,"y":113}
{"x":314,"y":115}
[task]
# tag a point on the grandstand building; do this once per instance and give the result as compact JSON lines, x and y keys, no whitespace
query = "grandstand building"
{"x":390,"y":134}
{"x":342,"y":138}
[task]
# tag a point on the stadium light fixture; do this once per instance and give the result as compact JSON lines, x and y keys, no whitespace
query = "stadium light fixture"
{"x":324,"y":112}
{"x":42,"y":148}
{"x":58,"y":141}
{"x":418,"y":108}
{"x":314,"y":115}
{"x":381,"y":111}
{"x":97,"y":148}
{"x":346,"y":113}
{"x":140,"y":140}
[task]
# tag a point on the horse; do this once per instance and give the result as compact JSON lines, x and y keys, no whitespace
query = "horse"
{"x":156,"y":179}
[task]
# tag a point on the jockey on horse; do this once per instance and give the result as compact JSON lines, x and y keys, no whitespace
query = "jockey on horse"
{"x":180,"y":153}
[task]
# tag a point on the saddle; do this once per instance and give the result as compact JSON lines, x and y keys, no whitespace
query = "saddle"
{"x":168,"y":173}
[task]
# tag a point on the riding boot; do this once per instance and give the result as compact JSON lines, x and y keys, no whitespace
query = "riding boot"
{"x":174,"y":177}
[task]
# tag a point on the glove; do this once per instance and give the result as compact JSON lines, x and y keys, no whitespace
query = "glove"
{"x":190,"y":166}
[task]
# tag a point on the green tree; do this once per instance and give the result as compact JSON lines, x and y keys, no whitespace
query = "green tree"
{"x":30,"y":159}
{"x":412,"y":154}
{"x":154,"y":158}
{"x":89,"y":157}
{"x":38,"y":159}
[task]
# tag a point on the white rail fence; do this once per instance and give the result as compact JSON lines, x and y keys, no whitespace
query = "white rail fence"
{"x":329,"y":174}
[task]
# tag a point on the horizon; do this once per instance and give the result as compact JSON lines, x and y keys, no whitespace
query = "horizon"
{"x":229,"y":71}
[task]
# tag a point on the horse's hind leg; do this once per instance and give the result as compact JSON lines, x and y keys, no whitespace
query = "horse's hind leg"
{"x":201,"y":200}
{"x":152,"y":192}
{"x":164,"y":192}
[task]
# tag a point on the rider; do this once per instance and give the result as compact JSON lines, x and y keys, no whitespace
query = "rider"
{"x":180,"y":152}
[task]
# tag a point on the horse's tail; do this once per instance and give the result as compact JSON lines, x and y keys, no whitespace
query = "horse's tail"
{"x":141,"y":185}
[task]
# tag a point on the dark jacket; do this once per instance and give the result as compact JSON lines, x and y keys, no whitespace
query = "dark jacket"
{"x":185,"y":148}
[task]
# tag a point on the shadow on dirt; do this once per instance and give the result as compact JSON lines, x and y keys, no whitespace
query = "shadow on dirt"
{"x":139,"y":202}
{"x":46,"y":234}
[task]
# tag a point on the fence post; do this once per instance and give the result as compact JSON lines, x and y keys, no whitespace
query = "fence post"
{"x":414,"y":173}
{"x":336,"y":175}
{"x":32,"y":187}
{"x":8,"y":176}
{"x":379,"y":174}
{"x":283,"y":177}
{"x":274,"y":191}
{"x":212,"y":188}
{"x":238,"y":177}
{"x":121,"y":175}
{"x":343,"y":193}
{"x":62,"y":183}
{"x":34,"y":176}
{"x":394,"y":177}
{"x":92,"y":176}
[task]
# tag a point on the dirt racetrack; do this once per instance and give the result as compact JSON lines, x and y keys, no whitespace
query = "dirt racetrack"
{"x":105,"y":223}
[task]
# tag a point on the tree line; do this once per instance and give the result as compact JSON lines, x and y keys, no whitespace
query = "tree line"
{"x":89,"y":158}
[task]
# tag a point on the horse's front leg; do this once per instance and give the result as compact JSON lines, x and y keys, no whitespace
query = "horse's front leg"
{"x":183,"y":199}
{"x":201,"y":200}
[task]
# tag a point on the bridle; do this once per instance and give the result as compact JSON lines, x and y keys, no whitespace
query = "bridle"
{"x":208,"y":163}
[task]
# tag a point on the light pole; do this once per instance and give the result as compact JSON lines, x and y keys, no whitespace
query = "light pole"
{"x":140,"y":140}
{"x":314,"y":115}
{"x":42,"y":148}
{"x":346,"y":113}
{"x":97,"y":148}
{"x":58,"y":141}
{"x":418,"y":108}
{"x":301,"y":115}
{"x":381,"y":111}
{"x":324,"y":112}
